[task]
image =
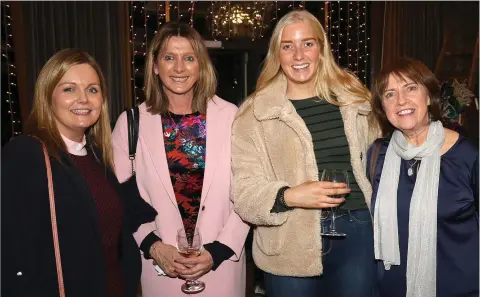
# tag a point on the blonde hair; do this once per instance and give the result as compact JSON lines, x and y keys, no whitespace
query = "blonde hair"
{"x":42,"y":119}
{"x":203,"y":90}
{"x":329,"y":77}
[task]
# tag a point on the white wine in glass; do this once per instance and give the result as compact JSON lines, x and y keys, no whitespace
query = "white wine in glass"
{"x":189,"y":245}
{"x":335,"y":176}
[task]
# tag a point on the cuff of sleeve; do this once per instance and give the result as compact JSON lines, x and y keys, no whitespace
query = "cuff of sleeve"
{"x":147,"y":243}
{"x":279,"y":206}
{"x":219,"y":252}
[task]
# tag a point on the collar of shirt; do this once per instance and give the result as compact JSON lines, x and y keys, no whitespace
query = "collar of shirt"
{"x":76,"y":148}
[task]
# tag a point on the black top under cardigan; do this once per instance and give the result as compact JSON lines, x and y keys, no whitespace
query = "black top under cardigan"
{"x":28,"y":260}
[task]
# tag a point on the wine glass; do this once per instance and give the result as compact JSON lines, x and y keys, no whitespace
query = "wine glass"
{"x":336,"y":176}
{"x":189,"y":244}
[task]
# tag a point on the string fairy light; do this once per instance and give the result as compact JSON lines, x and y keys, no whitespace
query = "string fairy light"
{"x":262,"y":24}
{"x":335,"y":13}
{"x":357,"y":65}
{"x":328,"y":21}
{"x":346,"y":28}
{"x":146,"y":16}
{"x":229,"y":20}
{"x":191,"y":9}
{"x":254,"y":22}
{"x":366,"y":38}
{"x":160,"y":16}
{"x":332,"y":27}
{"x":212,"y":13}
{"x":134,"y":52}
{"x":339,"y":57}
{"x":138,"y":50}
{"x":276,"y":11}
{"x":11,"y":70}
{"x":222,"y":20}
{"x":179,"y":16}
{"x":348,"y":34}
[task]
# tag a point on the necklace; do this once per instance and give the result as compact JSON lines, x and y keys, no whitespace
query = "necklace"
{"x":175,"y":125}
{"x":410,"y":170}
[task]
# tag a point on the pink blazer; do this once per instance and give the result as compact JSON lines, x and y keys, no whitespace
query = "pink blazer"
{"x":216,"y":219}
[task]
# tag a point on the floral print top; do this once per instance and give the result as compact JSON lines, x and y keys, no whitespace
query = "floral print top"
{"x":185,"y":144}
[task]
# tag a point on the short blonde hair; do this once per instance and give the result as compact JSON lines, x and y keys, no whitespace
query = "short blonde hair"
{"x":42,"y":123}
{"x":329,"y":77}
{"x":204,"y":88}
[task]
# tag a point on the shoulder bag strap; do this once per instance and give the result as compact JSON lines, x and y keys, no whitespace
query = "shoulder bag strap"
{"x":133,"y":120}
{"x":53,"y":216}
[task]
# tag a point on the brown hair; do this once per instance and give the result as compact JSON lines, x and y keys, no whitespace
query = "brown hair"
{"x":417,"y":72}
{"x":204,"y":88}
{"x":42,"y":123}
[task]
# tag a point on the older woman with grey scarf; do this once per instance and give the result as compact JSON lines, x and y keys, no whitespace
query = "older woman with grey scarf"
{"x":425,"y":191}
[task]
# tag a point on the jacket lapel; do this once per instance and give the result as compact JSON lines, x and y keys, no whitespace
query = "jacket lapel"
{"x":156,"y":147}
{"x":357,"y":144}
{"x":151,"y":131}
{"x":214,"y":144}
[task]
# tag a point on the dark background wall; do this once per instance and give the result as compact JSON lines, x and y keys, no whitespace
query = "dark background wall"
{"x":441,"y":34}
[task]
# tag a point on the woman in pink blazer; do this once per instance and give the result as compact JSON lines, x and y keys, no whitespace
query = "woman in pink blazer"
{"x":183,"y":169}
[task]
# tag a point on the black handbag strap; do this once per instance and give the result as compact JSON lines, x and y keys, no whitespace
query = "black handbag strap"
{"x":133,"y":120}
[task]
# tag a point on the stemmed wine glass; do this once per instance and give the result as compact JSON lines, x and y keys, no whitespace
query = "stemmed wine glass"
{"x":189,"y":244}
{"x":336,"y":176}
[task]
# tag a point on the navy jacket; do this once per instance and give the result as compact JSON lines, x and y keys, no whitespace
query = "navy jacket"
{"x":28,"y":260}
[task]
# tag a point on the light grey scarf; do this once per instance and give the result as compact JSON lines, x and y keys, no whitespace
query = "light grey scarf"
{"x":422,"y":229}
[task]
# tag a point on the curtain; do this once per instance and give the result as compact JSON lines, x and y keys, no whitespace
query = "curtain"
{"x":99,"y":28}
{"x":422,"y":34}
{"x":392,"y":30}
{"x":375,"y":24}
{"x":412,"y":29}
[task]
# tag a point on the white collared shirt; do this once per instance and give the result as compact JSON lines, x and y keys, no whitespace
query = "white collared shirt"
{"x":76,"y":148}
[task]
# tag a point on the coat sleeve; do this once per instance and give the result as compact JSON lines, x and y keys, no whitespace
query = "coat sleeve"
{"x":123,"y":169}
{"x":24,"y":204}
{"x":254,"y":193}
{"x":235,"y":230}
{"x":234,"y":233}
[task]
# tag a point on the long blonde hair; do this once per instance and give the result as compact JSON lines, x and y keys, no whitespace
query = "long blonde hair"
{"x":42,"y":122}
{"x":205,"y":87}
{"x":330,"y":80}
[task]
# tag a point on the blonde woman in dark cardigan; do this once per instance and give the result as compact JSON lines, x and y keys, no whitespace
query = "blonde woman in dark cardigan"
{"x":306,"y":115}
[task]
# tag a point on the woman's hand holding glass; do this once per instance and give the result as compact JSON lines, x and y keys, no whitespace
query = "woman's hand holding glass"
{"x":195,"y":266}
{"x":338,"y":176}
{"x":313,"y":194}
{"x":195,"y":259}
{"x":164,"y":256}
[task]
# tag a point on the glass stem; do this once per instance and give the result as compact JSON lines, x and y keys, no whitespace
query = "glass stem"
{"x":333,"y":219}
